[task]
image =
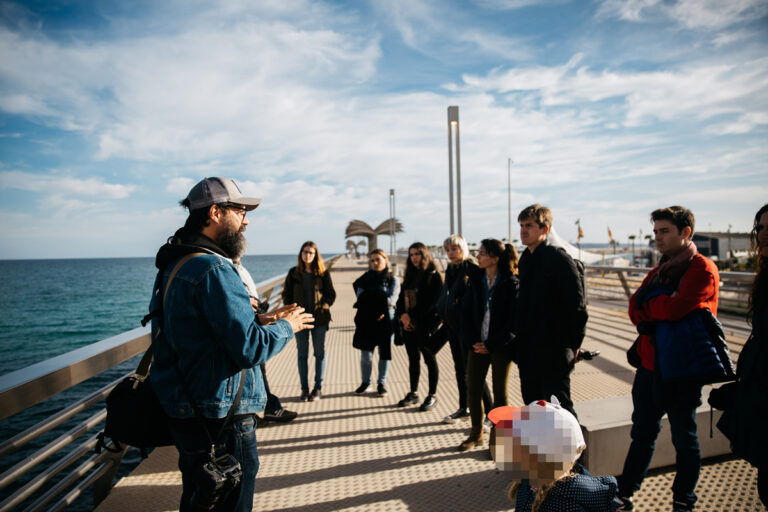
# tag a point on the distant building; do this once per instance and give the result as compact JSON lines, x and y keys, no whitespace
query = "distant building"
{"x":718,"y":245}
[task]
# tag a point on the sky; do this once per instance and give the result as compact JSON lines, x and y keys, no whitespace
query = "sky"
{"x":110,"y":111}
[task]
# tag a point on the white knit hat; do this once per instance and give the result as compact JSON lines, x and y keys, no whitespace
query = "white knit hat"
{"x":544,"y":427}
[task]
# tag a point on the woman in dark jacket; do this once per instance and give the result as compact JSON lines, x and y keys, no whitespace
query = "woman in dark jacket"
{"x":743,"y":421}
{"x":309,"y":285}
{"x":417,"y":313}
{"x":376,"y":291}
{"x":460,"y":269}
{"x":488,"y":325}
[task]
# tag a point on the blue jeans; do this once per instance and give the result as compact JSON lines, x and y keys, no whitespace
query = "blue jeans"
{"x":651,"y":399}
{"x":318,"y":344}
{"x":366,"y":367}
{"x":238,"y":439}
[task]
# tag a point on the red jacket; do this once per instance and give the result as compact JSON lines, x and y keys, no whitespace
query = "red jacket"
{"x":698,"y":290}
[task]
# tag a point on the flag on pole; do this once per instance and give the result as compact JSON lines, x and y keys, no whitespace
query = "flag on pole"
{"x":610,"y":235}
{"x":581,"y":233}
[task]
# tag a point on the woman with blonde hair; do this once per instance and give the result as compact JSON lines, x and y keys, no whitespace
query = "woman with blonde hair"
{"x":376,"y":291}
{"x":461,"y":268}
{"x":309,"y":285}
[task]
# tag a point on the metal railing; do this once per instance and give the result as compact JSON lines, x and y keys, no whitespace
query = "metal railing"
{"x":22,"y":389}
{"x":619,"y":283}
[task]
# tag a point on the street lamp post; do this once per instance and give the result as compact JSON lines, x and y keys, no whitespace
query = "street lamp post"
{"x":509,"y":200}
{"x":392,"y":242}
{"x":453,"y":128}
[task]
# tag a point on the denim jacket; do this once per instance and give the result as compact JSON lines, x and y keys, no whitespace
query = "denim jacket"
{"x":209,"y":335}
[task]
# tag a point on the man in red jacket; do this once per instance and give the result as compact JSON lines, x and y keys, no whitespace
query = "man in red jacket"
{"x":692,"y":281}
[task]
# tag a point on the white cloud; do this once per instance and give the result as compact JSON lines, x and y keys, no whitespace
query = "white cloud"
{"x":504,"y":5}
{"x":695,"y":91}
{"x":180,"y":186}
{"x":54,"y":185}
{"x":691,"y":14}
{"x":288,"y":100}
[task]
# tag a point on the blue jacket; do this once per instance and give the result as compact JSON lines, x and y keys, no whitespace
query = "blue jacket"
{"x":209,"y":335}
{"x":692,"y":348}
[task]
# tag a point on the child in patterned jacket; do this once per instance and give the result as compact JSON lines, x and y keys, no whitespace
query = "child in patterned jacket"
{"x":539,"y":444}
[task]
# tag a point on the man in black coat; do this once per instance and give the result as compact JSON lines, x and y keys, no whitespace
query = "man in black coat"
{"x":552,"y":313}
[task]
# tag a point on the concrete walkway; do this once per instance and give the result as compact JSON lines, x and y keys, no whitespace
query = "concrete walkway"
{"x":350,"y":452}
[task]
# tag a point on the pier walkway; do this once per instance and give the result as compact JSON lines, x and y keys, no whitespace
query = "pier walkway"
{"x":350,"y":452}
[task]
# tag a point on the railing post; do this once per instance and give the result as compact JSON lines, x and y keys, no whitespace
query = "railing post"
{"x":624,"y":284}
{"x":103,"y":484}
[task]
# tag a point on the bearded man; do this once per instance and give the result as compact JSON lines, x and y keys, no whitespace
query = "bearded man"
{"x":209,"y":345}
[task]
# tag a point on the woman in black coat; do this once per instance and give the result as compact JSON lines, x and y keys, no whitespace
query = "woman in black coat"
{"x":488,"y":325}
{"x":461,"y":268}
{"x":309,"y":285}
{"x":376,"y":291}
{"x":743,"y":421}
{"x":417,"y":313}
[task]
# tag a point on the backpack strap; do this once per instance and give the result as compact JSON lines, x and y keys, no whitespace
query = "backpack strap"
{"x":143,"y":368}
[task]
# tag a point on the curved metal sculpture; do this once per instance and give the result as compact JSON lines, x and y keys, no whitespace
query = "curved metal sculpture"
{"x":360,"y":228}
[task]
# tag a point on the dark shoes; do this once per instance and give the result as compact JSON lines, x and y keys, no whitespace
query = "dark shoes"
{"x":460,"y":414}
{"x":410,"y":399}
{"x":429,"y":403}
{"x":678,"y":506}
{"x":381,"y":390}
{"x":315,"y":395}
{"x":475,"y":439}
{"x":626,"y":503}
{"x":280,"y":415}
{"x":304,"y":395}
{"x":364,"y":388}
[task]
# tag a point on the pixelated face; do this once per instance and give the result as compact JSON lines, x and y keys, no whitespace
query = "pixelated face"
{"x":520,"y":451}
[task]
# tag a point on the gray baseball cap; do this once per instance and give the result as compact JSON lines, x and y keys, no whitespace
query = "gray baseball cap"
{"x":211,"y":191}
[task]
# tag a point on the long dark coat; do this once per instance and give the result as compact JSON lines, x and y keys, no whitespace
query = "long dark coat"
{"x":744,"y":421}
{"x":373,"y":326}
{"x":502,"y":306}
{"x":552,"y":311}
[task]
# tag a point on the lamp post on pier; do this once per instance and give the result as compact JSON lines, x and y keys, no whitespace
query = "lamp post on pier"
{"x":509,"y":200}
{"x":453,"y":127}
{"x":392,"y":242}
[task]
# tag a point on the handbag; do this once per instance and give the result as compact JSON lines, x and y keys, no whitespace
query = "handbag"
{"x":436,"y":338}
{"x":134,"y":414}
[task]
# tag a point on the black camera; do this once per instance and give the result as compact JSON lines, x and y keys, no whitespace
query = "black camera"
{"x":214,"y":482}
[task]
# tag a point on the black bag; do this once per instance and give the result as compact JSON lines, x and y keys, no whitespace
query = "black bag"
{"x":436,"y":338}
{"x":135,"y":416}
{"x":633,"y":358}
{"x":723,"y":397}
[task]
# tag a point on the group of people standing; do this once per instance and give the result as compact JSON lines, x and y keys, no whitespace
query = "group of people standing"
{"x":492,"y":311}
{"x":211,"y":338}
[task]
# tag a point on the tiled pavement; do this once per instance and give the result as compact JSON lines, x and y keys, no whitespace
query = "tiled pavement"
{"x":350,"y":452}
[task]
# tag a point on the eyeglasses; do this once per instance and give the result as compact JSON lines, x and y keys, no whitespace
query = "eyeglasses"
{"x":240,"y":211}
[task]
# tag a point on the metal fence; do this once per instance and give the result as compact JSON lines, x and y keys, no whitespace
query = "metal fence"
{"x":22,"y":389}
{"x":619,"y":283}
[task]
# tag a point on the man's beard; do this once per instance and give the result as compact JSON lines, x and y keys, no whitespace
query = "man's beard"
{"x":233,"y":243}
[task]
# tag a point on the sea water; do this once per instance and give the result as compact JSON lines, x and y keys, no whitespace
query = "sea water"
{"x":51,"y":307}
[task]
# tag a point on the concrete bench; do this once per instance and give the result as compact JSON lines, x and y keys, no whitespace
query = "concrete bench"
{"x":607,"y":423}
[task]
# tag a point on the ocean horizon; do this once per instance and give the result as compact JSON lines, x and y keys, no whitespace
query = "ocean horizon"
{"x":49,"y":307}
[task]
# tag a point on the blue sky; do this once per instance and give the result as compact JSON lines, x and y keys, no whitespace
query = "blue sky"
{"x":110,"y":112}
